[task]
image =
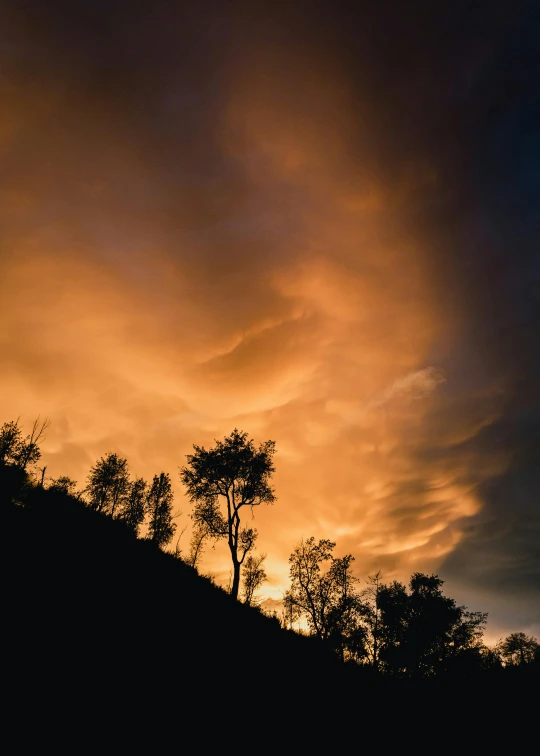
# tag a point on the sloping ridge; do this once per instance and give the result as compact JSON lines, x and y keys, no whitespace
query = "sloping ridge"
{"x":101,"y":624}
{"x":111,"y":644}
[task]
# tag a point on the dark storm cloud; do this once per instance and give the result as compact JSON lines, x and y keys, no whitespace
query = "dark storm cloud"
{"x":132,"y":85}
{"x":459,"y":85}
{"x":491,"y":257}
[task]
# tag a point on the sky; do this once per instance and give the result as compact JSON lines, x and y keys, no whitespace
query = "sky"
{"x":315,"y":222}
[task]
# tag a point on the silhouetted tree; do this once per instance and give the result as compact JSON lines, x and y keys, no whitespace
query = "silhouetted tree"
{"x":133,"y":505}
{"x":63,"y":484}
{"x":10,"y":442}
{"x":394,"y":614}
{"x":328,"y":600}
{"x":372,"y":620}
{"x":31,"y":452}
{"x":14,"y":482}
{"x":199,"y":537}
{"x":159,"y":506}
{"x":108,"y":484}
{"x":422,"y":632}
{"x":19,"y":451}
{"x":234,"y":472}
{"x":517,"y":649}
{"x":254,"y":575}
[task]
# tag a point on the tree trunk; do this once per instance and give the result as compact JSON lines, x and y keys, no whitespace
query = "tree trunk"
{"x":236,"y":579}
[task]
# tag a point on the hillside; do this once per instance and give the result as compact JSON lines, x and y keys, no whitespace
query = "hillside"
{"x":103,"y":622}
{"x":107,"y":636}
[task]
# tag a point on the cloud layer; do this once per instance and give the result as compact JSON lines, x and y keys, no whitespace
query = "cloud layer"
{"x":229,"y":219}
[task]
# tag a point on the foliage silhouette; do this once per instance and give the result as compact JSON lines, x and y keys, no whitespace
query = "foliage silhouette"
{"x":108,"y":484}
{"x":372,"y":621}
{"x":238,"y":473}
{"x":200,"y":535}
{"x":133,"y":506}
{"x":422,"y":632}
{"x":416,"y":633}
{"x":519,"y":648}
{"x":19,"y":451}
{"x":328,"y":600}
{"x":63,"y":484}
{"x":100,"y":626}
{"x":159,"y":505}
{"x":254,"y":575}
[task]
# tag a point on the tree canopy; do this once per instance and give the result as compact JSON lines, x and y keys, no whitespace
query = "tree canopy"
{"x":108,"y":484}
{"x":422,"y":631}
{"x":518,"y":648}
{"x":18,"y":450}
{"x":409,"y":631}
{"x":161,"y":527}
{"x":414,"y":632}
{"x":254,"y":575}
{"x":327,"y":599}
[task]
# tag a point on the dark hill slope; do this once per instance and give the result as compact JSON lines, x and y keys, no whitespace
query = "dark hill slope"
{"x":111,"y":644}
{"x":101,"y":625}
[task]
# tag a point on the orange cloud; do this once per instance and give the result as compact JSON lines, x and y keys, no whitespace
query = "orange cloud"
{"x":304,"y":313}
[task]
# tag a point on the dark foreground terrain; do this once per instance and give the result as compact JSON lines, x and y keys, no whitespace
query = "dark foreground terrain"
{"x":111,"y":644}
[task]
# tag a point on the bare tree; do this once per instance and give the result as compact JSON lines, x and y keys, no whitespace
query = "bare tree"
{"x":30,"y":452}
{"x":42,"y":470}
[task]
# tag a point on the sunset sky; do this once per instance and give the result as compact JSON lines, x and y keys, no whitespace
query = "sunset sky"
{"x":317,"y":222}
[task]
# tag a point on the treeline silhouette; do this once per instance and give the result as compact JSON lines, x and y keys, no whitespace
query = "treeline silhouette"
{"x":106,"y":630}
